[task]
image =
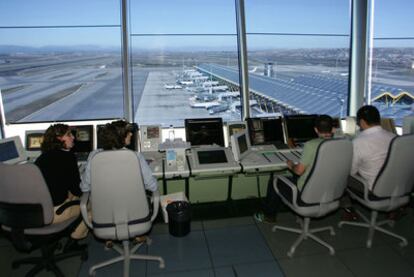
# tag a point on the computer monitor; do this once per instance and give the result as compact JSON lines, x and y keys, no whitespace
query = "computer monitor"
{"x":83,"y":140}
{"x":240,"y":144}
{"x":204,"y":131}
{"x":34,"y":140}
{"x":266,"y":130}
{"x":11,"y":150}
{"x":150,"y":137}
{"x":234,"y":127}
{"x":300,"y":128}
{"x":212,"y":156}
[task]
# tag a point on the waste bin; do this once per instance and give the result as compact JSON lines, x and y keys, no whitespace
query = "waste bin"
{"x":179,"y":216}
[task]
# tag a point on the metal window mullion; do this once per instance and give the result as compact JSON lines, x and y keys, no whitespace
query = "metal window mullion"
{"x":242,"y":51}
{"x":359,"y":53}
{"x":127,"y":88}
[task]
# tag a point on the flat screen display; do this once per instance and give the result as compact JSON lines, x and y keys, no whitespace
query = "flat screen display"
{"x":242,"y":141}
{"x":300,"y":128}
{"x":153,"y":132}
{"x":204,"y":131}
{"x":34,"y":140}
{"x":8,"y":151}
{"x":212,"y":157}
{"x":265,"y":131}
{"x":83,"y":139}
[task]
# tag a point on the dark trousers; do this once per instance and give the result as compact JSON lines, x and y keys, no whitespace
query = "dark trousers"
{"x":273,"y":202}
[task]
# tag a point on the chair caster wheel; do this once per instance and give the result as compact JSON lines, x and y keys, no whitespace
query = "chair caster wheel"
{"x":403,"y":244}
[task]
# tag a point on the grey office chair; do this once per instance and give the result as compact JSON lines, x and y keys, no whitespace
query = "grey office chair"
{"x":120,"y":208}
{"x":321,"y":192}
{"x":390,"y":190}
{"x":26,"y":214}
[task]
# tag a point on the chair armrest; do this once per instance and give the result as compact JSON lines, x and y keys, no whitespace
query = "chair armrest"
{"x":155,"y":204}
{"x":66,"y":205}
{"x":289,"y":183}
{"x":84,"y":208}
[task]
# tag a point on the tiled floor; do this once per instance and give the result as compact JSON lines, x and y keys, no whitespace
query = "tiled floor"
{"x":242,"y":247}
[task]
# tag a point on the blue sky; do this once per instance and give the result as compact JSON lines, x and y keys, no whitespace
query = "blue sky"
{"x":393,"y":19}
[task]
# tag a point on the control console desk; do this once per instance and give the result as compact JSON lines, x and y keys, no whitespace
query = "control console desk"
{"x":268,"y":161}
{"x":210,"y":161}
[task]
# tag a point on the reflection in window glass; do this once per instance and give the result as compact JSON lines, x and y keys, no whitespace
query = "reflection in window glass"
{"x":391,"y":80}
{"x":177,"y":50}
{"x":298,"y":56}
{"x":53,"y":68}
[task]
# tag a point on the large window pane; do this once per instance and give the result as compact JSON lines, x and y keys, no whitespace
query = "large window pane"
{"x":391,"y":80}
{"x":59,"y":13}
{"x":175,"y":48}
{"x":298,"y":55}
{"x":59,"y":72}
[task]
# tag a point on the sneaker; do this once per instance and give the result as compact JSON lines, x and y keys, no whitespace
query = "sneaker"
{"x":261,"y":217}
{"x":349,"y":214}
{"x":140,"y":239}
{"x":108,"y":244}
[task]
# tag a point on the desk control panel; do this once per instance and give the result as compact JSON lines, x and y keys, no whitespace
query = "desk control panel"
{"x":157,"y":161}
{"x":267,"y":161}
{"x":212,"y":161}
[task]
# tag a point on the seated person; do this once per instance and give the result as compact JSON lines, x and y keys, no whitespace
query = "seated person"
{"x":272,"y":203}
{"x":370,"y":150}
{"x":60,"y":170}
{"x":117,"y":135}
{"x":370,"y":146}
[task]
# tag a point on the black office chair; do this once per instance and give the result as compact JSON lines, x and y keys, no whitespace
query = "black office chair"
{"x":26,"y":214}
{"x":391,"y":189}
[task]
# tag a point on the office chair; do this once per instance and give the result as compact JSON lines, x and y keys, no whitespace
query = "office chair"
{"x":120,"y":208}
{"x":390,"y":190}
{"x":26,"y":214}
{"x":321,"y":192}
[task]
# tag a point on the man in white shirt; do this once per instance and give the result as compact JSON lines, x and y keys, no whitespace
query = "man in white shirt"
{"x":370,"y":146}
{"x":370,"y":151}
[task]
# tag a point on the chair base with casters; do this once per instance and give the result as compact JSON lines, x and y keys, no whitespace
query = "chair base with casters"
{"x":127,"y":254}
{"x":305,"y":233}
{"x":47,"y":261}
{"x":373,"y":225}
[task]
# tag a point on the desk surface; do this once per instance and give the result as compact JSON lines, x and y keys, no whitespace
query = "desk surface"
{"x":266,"y":161}
{"x":255,"y":161}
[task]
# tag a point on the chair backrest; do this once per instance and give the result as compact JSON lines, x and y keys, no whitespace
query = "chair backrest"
{"x":327,"y":179}
{"x":25,"y":201}
{"x":118,"y":197}
{"x":396,"y":177}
